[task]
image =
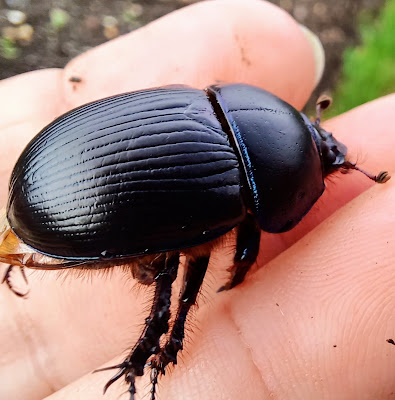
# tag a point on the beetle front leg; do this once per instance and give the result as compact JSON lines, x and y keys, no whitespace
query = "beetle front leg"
{"x":247,"y":248}
{"x":156,"y":325}
{"x":195,"y":272}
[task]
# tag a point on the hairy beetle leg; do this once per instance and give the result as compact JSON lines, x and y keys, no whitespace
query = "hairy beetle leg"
{"x":247,"y":248}
{"x":155,"y":326}
{"x":7,"y":281}
{"x":193,"y":279}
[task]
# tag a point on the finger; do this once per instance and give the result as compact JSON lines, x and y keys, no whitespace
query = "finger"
{"x":251,"y":42}
{"x":27,"y":102}
{"x":367,"y":134}
{"x":23,"y":97}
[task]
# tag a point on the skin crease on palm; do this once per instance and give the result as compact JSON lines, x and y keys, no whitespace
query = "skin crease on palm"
{"x":311,"y":320}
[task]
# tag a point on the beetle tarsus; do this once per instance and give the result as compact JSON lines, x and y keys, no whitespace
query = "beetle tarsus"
{"x":7,"y":281}
{"x":195,"y":272}
{"x":123,"y":370}
{"x":115,"y":377}
{"x":247,"y":248}
{"x":154,"y":382}
{"x":156,"y":325}
{"x":131,"y":378}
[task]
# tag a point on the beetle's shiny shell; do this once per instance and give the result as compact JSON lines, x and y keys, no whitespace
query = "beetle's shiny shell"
{"x":164,"y":169}
{"x":142,"y":172}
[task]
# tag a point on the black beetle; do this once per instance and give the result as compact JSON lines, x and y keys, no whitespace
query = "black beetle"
{"x":138,"y":178}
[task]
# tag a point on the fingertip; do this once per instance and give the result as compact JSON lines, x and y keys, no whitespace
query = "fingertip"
{"x":21,"y":97}
{"x":318,"y":51}
{"x":250,"y":42}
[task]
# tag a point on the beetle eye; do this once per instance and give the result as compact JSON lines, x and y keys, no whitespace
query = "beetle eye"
{"x":331,"y":156}
{"x":327,"y":154}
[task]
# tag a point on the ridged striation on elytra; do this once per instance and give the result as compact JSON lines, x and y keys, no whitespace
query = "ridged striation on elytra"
{"x":100,"y":177}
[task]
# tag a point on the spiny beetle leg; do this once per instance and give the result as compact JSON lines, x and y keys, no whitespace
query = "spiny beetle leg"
{"x":156,"y":325}
{"x":247,"y":248}
{"x":7,"y":281}
{"x":195,"y":272}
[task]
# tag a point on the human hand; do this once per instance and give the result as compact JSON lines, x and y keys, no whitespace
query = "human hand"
{"x":314,"y":287}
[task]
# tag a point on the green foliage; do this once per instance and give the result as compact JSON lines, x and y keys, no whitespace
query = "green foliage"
{"x":369,"y":69}
{"x":58,"y":18}
{"x":8,"y":49}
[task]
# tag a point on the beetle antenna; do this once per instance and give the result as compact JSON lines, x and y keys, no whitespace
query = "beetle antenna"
{"x":323,"y":102}
{"x":381,"y":177}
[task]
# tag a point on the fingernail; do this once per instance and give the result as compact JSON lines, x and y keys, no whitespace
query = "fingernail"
{"x":319,"y":54}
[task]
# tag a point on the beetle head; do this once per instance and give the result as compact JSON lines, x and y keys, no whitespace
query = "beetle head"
{"x":333,"y":153}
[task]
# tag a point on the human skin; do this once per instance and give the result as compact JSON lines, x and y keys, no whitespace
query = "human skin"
{"x":311,"y":320}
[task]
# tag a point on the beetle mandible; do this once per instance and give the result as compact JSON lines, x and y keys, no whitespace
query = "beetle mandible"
{"x":139,"y":178}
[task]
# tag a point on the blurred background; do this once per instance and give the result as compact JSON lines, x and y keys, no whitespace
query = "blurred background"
{"x":358,"y":37}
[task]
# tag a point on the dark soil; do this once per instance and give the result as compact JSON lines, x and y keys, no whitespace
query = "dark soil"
{"x":335,"y":22}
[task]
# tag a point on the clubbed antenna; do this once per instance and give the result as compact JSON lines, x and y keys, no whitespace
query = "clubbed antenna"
{"x":323,"y":102}
{"x":381,"y":177}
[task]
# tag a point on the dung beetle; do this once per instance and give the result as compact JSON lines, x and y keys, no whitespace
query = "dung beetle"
{"x":139,"y":178}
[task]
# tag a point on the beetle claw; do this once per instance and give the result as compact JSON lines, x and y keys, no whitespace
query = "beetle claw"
{"x":125,"y":369}
{"x":122,"y":365}
{"x":7,"y":281}
{"x":122,"y":370}
{"x":118,"y":375}
{"x":222,"y":289}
